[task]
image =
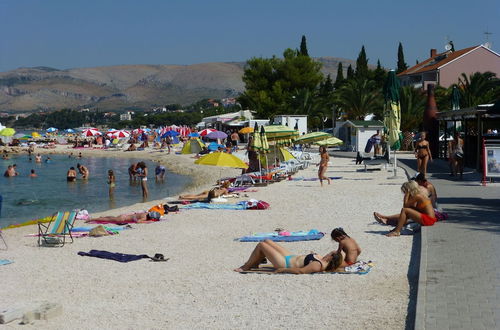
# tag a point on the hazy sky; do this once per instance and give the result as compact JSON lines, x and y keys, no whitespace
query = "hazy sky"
{"x":74,"y":33}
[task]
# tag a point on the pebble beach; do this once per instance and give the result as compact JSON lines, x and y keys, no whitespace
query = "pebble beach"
{"x":197,"y":287}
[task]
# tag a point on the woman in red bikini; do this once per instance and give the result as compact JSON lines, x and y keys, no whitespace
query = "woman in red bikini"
{"x":416,"y":207}
{"x":423,"y":154}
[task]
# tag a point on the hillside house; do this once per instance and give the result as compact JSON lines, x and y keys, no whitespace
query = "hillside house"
{"x":444,"y":69}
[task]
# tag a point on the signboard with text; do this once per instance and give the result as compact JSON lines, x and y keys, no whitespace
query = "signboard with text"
{"x":492,"y":161}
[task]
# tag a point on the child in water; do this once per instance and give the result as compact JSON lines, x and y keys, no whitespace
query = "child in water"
{"x":346,"y":244}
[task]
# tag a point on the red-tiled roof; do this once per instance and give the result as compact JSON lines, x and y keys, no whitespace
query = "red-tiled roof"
{"x":435,"y":62}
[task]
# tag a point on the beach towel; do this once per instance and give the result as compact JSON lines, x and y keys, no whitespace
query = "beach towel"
{"x":121,"y":257}
{"x":359,"y":268}
{"x":316,"y":179}
{"x":241,"y":189}
{"x":293,"y":236}
{"x":5,"y":262}
{"x":194,"y":206}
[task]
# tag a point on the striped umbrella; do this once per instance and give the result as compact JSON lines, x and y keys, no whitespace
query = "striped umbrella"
{"x":312,"y":137}
{"x":207,"y":131}
{"x":91,"y":132}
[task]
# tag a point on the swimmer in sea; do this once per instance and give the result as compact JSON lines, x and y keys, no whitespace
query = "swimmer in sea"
{"x":38,"y":158}
{"x":160,"y":172}
{"x":33,"y":174}
{"x":84,"y":171}
{"x":111,"y":183}
{"x":71,"y":175}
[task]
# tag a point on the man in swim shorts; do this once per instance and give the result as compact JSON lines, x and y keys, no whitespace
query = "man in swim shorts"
{"x":71,"y":175}
{"x":84,"y":171}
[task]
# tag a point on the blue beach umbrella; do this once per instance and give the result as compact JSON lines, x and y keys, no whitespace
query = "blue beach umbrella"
{"x":214,"y":146}
{"x":51,"y":129}
{"x":194,"y":134}
{"x":70,"y":130}
{"x":170,"y":133}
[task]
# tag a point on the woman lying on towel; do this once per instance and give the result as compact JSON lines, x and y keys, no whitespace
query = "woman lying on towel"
{"x":416,"y":206}
{"x":138,"y":217}
{"x":208,"y":194}
{"x":286,"y":262}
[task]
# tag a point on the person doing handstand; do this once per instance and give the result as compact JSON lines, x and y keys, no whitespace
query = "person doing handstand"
{"x":346,"y":244}
{"x":286,"y":262}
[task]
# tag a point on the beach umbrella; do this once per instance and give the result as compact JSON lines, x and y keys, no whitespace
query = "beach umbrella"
{"x":137,"y":131}
{"x":192,"y":146}
{"x":194,"y":134}
{"x":7,"y":132}
{"x":91,"y":132}
{"x":207,"y":131}
{"x":18,"y":135}
{"x":263,"y":140}
{"x":392,"y":114}
{"x":332,"y":141}
{"x":170,"y":133}
{"x":25,"y":137}
{"x":217,"y":135}
{"x":312,"y":137}
{"x":392,"y":111}
{"x":256,"y":140}
{"x":280,"y":132}
{"x":119,"y":134}
{"x":69,"y":130}
{"x":35,"y":134}
{"x":51,"y":130}
{"x":221,"y":159}
{"x":246,"y":130}
{"x":214,"y":146}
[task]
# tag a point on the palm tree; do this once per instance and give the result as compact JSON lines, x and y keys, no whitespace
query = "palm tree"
{"x":412,"y":108}
{"x":359,"y":97}
{"x":478,"y":88}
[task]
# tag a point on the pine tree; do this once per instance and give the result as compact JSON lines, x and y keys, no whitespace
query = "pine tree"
{"x":339,"y":81}
{"x":379,"y":75}
{"x":362,"y":64}
{"x":326,"y":86}
{"x":402,"y":66}
{"x":350,"y":72}
{"x":303,"y":47}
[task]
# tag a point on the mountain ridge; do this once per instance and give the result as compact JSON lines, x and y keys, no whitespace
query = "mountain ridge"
{"x":120,"y":87}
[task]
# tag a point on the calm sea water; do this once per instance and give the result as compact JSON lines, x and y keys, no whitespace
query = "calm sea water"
{"x":26,"y":198}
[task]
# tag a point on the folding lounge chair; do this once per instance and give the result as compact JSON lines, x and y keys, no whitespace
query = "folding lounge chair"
{"x":366,"y":159}
{"x":3,"y":240}
{"x":62,"y":224}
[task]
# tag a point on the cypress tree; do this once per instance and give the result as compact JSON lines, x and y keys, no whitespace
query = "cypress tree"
{"x":326,"y":87}
{"x":350,"y":72}
{"x":402,"y":66}
{"x":362,"y":64}
{"x":339,"y":81}
{"x":379,"y":75}
{"x":303,"y":47}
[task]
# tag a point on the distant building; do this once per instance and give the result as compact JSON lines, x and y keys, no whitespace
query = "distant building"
{"x":295,"y":122}
{"x":228,"y":101}
{"x":213,"y":102}
{"x":444,"y":69}
{"x":126,"y":116}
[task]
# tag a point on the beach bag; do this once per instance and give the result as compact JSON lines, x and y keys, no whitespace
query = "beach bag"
{"x":98,"y":231}
{"x":158,"y":208}
{"x":253,"y":204}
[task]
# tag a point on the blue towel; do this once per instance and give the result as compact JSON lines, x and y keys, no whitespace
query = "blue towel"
{"x":278,"y":238}
{"x":121,"y":257}
{"x":85,"y":229}
{"x":238,"y":206}
{"x":5,"y":262}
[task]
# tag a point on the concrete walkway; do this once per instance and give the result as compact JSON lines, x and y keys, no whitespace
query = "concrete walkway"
{"x":459,"y":276}
{"x":459,"y":280}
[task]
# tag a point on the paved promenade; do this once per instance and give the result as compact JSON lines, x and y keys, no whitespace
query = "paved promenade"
{"x":459,"y":280}
{"x":459,"y":277}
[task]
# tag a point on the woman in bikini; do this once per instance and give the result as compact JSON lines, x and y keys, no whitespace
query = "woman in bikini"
{"x":286,"y":262}
{"x":456,"y":156}
{"x":323,"y":165}
{"x":416,"y":206}
{"x":111,"y":183}
{"x":423,"y":154}
{"x":208,"y":194}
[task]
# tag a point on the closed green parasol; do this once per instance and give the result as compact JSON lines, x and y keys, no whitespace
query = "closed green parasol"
{"x":392,"y":111}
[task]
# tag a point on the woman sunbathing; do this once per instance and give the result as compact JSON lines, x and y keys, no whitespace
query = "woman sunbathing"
{"x":286,"y":262}
{"x":127,"y":218}
{"x":208,"y":194}
{"x":416,"y":207}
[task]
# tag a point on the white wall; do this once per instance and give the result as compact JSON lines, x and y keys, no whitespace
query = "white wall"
{"x":290,"y":121}
{"x":362,"y":137}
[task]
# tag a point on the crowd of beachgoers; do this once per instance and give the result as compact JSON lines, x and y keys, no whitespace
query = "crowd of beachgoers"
{"x":289,"y":211}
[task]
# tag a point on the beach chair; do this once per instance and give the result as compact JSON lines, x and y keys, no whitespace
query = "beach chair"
{"x":3,"y":240}
{"x":366,"y":159}
{"x":55,"y":235}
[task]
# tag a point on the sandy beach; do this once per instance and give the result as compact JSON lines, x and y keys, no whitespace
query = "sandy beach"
{"x":197,"y":287}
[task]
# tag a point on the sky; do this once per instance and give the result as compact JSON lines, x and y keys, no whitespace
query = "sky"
{"x":71,"y":34}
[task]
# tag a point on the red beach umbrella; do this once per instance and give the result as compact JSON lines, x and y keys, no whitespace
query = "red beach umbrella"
{"x":91,"y":132}
{"x":207,"y":131}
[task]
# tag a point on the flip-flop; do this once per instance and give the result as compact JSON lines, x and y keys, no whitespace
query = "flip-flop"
{"x":159,"y":257}
{"x":393,"y":233}
{"x":378,"y":219}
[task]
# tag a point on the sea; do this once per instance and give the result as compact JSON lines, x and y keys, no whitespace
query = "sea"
{"x":25,"y":198}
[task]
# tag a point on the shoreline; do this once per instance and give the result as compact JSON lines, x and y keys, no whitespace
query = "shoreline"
{"x":201,"y":177}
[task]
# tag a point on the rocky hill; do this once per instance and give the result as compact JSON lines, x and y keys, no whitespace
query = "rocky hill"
{"x":126,"y":86}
